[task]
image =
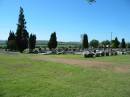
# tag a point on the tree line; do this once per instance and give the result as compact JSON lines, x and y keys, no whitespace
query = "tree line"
{"x":21,"y":40}
{"x":96,"y":44}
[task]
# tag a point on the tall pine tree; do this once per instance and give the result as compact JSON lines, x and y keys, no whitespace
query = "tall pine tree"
{"x":116,"y":43}
{"x":52,"y":44}
{"x":11,"y":43}
{"x":123,"y":44}
{"x":32,"y":42}
{"x":21,"y":33}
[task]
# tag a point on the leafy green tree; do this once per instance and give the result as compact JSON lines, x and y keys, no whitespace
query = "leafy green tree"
{"x":128,"y":45}
{"x":85,"y":41}
{"x":123,"y":44}
{"x":105,"y":43}
{"x":32,"y":42}
{"x":52,"y":44}
{"x":94,"y":43}
{"x":115,"y":43}
{"x":21,"y":33}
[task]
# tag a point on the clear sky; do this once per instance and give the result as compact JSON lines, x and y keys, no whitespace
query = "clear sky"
{"x":69,"y":18}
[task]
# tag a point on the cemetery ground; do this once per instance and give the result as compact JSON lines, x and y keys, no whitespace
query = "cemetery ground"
{"x":28,"y":75}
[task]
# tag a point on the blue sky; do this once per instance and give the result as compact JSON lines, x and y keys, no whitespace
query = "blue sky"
{"x":69,"y":18}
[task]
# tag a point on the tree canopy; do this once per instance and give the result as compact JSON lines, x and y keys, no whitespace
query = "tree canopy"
{"x":52,"y":44}
{"x":91,"y":1}
{"x":123,"y":44}
{"x":11,"y":42}
{"x":32,"y":42}
{"x":115,"y":43}
{"x":94,"y":43}
{"x":21,"y":33}
{"x":105,"y":43}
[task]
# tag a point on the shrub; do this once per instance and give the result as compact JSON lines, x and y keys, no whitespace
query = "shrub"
{"x":115,"y":53}
{"x":103,"y":54}
{"x":88,"y":55}
{"x":107,"y":53}
{"x":97,"y":54}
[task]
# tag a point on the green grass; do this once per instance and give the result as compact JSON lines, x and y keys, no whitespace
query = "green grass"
{"x":20,"y":76}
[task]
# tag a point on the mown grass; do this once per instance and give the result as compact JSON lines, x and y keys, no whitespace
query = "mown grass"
{"x":22,"y":76}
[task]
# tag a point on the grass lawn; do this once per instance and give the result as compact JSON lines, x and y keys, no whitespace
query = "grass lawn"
{"x":23,"y":76}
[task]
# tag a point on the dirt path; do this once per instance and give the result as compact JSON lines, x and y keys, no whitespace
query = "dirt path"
{"x":86,"y":63}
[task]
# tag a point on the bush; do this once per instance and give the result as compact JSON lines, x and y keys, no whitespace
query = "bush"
{"x":97,"y":54}
{"x":107,"y":53}
{"x":88,"y":55}
{"x":128,"y":52}
{"x":103,"y":54}
{"x":115,"y":53}
{"x":35,"y":52}
{"x":111,"y":54}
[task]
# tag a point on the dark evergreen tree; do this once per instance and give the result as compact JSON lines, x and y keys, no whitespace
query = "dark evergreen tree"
{"x":85,"y":41}
{"x":52,"y":44}
{"x":32,"y":42}
{"x":21,"y":33}
{"x":11,"y":43}
{"x":123,"y":44}
{"x":94,"y":43}
{"x":116,"y":43}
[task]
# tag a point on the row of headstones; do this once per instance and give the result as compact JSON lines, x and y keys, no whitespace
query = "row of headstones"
{"x":101,"y":54}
